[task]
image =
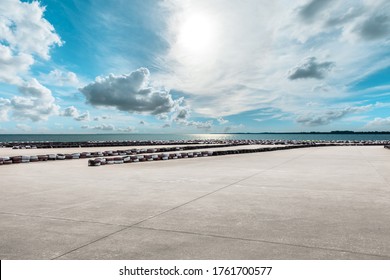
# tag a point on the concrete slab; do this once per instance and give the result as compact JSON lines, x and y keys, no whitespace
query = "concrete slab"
{"x":313,"y":203}
{"x":26,"y":237}
{"x":152,"y":244}
{"x":333,"y":220}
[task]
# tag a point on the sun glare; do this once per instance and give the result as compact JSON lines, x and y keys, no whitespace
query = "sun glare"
{"x":197,"y":34}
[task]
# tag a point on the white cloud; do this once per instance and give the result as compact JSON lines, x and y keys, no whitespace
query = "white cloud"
{"x":222,"y":120}
{"x":130,"y":93}
{"x":254,"y":44}
{"x":182,"y":114}
{"x":379,"y":123}
{"x":24,"y":33}
{"x":60,"y":78}
{"x":12,"y":65}
{"x":72,"y":111}
{"x":36,"y":103}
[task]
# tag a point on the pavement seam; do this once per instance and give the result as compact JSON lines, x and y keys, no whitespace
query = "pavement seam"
{"x":89,"y":243}
{"x":261,"y":241}
{"x":176,"y":207}
{"x":217,"y":190}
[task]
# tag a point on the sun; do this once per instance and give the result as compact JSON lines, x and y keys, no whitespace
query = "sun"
{"x":197,"y":33}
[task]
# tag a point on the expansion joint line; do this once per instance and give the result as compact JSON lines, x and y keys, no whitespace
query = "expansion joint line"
{"x":263,"y":241}
{"x":179,"y":206}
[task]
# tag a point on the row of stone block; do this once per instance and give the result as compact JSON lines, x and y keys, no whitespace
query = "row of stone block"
{"x":167,"y":156}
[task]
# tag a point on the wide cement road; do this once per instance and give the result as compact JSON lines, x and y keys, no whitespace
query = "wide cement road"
{"x":312,"y":203}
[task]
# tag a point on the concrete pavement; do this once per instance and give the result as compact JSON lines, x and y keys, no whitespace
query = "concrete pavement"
{"x":314,"y":203}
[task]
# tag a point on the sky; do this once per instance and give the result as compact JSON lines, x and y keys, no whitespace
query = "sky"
{"x":177,"y":66}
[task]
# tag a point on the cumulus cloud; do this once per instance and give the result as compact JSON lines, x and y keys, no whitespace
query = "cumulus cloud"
{"x":12,"y":65}
{"x":36,"y":103}
{"x":222,"y":120}
{"x":382,"y":123}
{"x":74,"y":113}
{"x":70,"y":112}
{"x":182,"y":114}
{"x":323,"y":118}
{"x":24,"y":33}
{"x":166,"y":125}
{"x":142,"y":123}
{"x":310,"y":69}
{"x":130,"y":93}
{"x":60,"y":78}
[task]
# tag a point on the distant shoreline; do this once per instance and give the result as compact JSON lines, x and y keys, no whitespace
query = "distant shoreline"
{"x":313,"y":132}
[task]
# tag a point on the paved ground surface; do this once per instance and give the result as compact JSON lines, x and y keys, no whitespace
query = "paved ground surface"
{"x":314,"y":203}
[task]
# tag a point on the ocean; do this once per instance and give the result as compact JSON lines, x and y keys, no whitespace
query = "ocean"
{"x":177,"y":137}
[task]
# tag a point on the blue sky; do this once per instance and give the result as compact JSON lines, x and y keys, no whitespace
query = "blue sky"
{"x":194,"y":66}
